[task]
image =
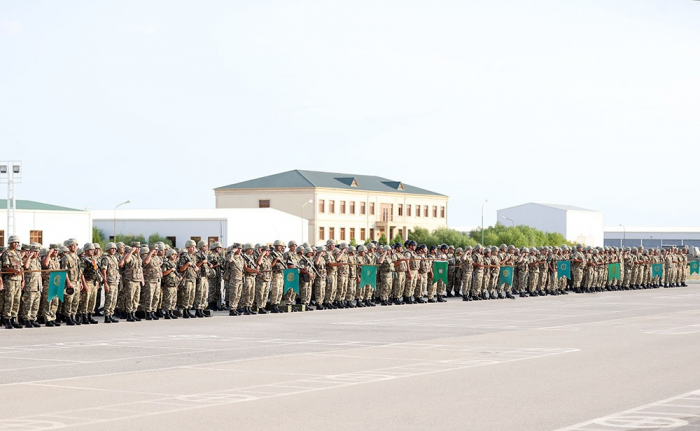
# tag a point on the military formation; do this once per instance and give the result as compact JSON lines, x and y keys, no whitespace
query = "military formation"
{"x":152,"y":282}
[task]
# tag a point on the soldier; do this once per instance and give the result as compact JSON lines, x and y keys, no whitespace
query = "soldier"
{"x":49,"y":263}
{"x":278,"y":265}
{"x":534,"y":272}
{"x":90,"y":277}
{"x":169,"y":283}
{"x":478,"y":276}
{"x":423,"y":273}
{"x":578,"y":263}
{"x":109,"y":265}
{"x":523,"y":266}
{"x":250,"y":269}
{"x":506,"y":258}
{"x":494,"y":289}
{"x":385,"y":267}
{"x":202,"y":287}
{"x":291,"y":259}
{"x":187,"y":267}
{"x":71,"y":297}
{"x":683,"y":266}
{"x":352,"y":280}
{"x":467,"y":267}
{"x":341,"y":275}
{"x":307,"y":273}
{"x":412,"y":274}
{"x":152,"y":275}
{"x":399,"y":281}
{"x":31,"y":291}
{"x":133,"y":279}
{"x":234,"y":278}
{"x":263,"y":279}
{"x":216,"y":260}
{"x":158,"y":294}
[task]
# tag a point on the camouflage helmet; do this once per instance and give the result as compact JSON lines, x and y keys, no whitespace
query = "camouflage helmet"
{"x":143,"y":250}
{"x":163,"y":247}
{"x":70,"y":242}
{"x":330,"y":242}
{"x":170,"y":252}
{"x":278,"y":242}
{"x":503,"y":247}
{"x":63,"y":249}
{"x":190,"y":243}
{"x":136,"y":244}
{"x":308,"y":250}
{"x":110,"y":245}
{"x":511,"y":247}
{"x":342,"y":246}
{"x":351,"y":249}
{"x":35,"y":246}
{"x":13,"y":238}
{"x":459,"y":250}
{"x":291,"y":243}
{"x":477,"y":247}
{"x":201,"y":243}
{"x":120,"y":244}
{"x":320,"y":248}
{"x":97,"y":245}
{"x":88,"y":246}
{"x":247,"y":246}
{"x":525,"y":250}
{"x":361,"y":248}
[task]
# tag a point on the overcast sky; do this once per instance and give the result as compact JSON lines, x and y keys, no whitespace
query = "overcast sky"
{"x":590,"y":103}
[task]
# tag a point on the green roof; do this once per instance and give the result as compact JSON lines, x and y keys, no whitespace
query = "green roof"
{"x":313,"y":179}
{"x":33,"y":205}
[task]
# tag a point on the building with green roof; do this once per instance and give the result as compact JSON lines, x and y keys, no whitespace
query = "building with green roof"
{"x":341,"y":206}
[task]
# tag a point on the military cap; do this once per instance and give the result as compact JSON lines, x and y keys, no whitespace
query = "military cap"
{"x":88,"y":246}
{"x":170,"y":252}
{"x":97,"y":245}
{"x":54,"y":247}
{"x":136,"y":244}
{"x":351,"y":249}
{"x":330,"y":242}
{"x":308,"y":250}
{"x":342,"y":246}
{"x":190,"y":243}
{"x":291,"y":243}
{"x":201,"y":243}
{"x":34,"y":246}
{"x":63,"y":249}
{"x":110,"y":245}
{"x":12,"y":238}
{"x":361,"y":248}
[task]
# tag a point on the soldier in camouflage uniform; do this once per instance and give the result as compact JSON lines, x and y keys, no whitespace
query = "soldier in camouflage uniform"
{"x":399,"y":281}
{"x":202,"y":287}
{"x":250,"y":268}
{"x":342,"y":275}
{"x":169,"y":283}
{"x":216,"y":260}
{"x":31,"y":293}
{"x":71,"y":264}
{"x":278,"y":265}
{"x":263,"y":279}
{"x":409,"y":293}
{"x":385,"y":267}
{"x":152,"y":275}
{"x":187,"y":267}
{"x":109,"y":265}
{"x":49,"y":263}
{"x":291,"y":260}
{"x":331,"y":275}
{"x":478,"y":275}
{"x":233,"y":276}
{"x":307,"y":275}
{"x":352,"y":279}
{"x":132,"y":281}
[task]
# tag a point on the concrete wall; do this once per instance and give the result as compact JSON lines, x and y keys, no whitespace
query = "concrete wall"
{"x":56,"y":226}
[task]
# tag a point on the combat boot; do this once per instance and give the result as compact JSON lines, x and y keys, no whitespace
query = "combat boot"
{"x":440,"y":299}
{"x":523,"y":295}
{"x":91,"y":320}
{"x":465,"y":298}
{"x":136,"y":318}
{"x":684,"y":285}
{"x":8,"y":324}
{"x":15,"y":324}
{"x":130,"y":317}
{"x":113,"y":319}
{"x":262,"y":311}
{"x":28,"y":324}
{"x":350,"y":304}
{"x":107,"y":319}
{"x":509,"y":296}
{"x":274,"y":309}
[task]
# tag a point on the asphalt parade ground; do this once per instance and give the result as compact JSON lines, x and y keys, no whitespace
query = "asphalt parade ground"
{"x":591,"y":362}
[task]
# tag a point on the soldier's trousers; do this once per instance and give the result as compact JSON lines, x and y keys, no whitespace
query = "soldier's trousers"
{"x":200,"y":293}
{"x":214,"y":294}
{"x":320,"y":288}
{"x":169,"y":295}
{"x":156,"y":304}
{"x":533,"y":280}
{"x":552,"y":282}
{"x":466,"y":282}
{"x":562,"y":282}
{"x":234,"y":288}
{"x":578,"y":277}
{"x":543,"y":280}
{"x":147,"y":293}
{"x":262,"y":291}
{"x":50,"y":307}
{"x":111,"y":298}
{"x":683,"y":272}
{"x":276,"y":287}
{"x":411,"y":283}
{"x":13,"y":294}
{"x":350,"y":293}
{"x":131,"y":295}
{"x":71,"y":302}
{"x":30,"y":304}
{"x":477,"y":281}
{"x":627,"y":279}
{"x":342,"y":287}
{"x":385,"y":280}
{"x":248,"y":294}
{"x":494,"y":283}
{"x":185,"y":294}
{"x":398,"y":284}
{"x":331,"y":286}
{"x":305,"y":292}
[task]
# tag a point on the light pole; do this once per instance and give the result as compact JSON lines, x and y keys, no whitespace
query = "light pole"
{"x":506,"y":218}
{"x":11,"y":173}
{"x":624,"y":235}
{"x":482,"y":221}
{"x":115,"y":218}
{"x":301,"y":215}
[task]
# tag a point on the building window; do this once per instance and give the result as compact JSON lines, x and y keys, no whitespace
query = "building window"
{"x":2,"y":238}
{"x":352,"y":207}
{"x":321,"y":234}
{"x":408,"y":211}
{"x":400,"y":210}
{"x":36,"y":236}
{"x":212,"y":240}
{"x":321,"y":206}
{"x":362,"y":208}
{"x":331,"y":208}
{"x":371,"y":208}
{"x":352,"y":233}
{"x":264,"y":203}
{"x":434,"y":211}
{"x":172,"y":240}
{"x":342,"y":207}
{"x":362,"y":234}
{"x":425,"y":210}
{"x":342,"y":234}
{"x":442,"y":212}
{"x":371,"y":233}
{"x":331,"y":233}
{"x":417,"y":210}
{"x":196,"y":238}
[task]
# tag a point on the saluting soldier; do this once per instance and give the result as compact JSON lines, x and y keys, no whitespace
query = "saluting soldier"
{"x":49,"y":308}
{"x":109,"y":265}
{"x":31,"y":292}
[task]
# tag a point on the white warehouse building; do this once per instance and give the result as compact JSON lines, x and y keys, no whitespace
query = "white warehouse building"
{"x":576,"y":224}
{"x":45,"y":223}
{"x":633,"y":236}
{"x":254,"y":225}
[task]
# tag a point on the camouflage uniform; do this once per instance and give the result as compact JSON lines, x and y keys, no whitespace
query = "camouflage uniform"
{"x":110,"y":266}
{"x":32,"y":290}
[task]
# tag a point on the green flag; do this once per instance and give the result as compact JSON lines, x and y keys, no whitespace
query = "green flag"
{"x":506,"y":275}
{"x":440,"y":271}
{"x":369,"y":276}
{"x":291,"y":280}
{"x":614,"y":271}
{"x":694,"y":267}
{"x":563,"y":269}
{"x":57,"y":281}
{"x":657,"y":270}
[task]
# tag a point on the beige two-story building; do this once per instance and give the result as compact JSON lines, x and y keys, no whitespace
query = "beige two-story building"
{"x":341,"y":206}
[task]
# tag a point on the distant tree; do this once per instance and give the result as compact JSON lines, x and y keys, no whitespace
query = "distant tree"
{"x":382,"y":239}
{"x":397,"y":239}
{"x":155,"y":237}
{"x":519,"y":236}
{"x":353,"y":242}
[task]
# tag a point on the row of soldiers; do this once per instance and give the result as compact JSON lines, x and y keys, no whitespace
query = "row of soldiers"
{"x":156,"y":281}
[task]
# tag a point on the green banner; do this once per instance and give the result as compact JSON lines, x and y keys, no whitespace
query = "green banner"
{"x":439,"y":271}
{"x":506,"y":276}
{"x":563,"y":269}
{"x":694,"y":267}
{"x":614,"y":271}
{"x":657,"y":270}
{"x":369,"y":276}
{"x":291,"y":280}
{"x":57,"y":281}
